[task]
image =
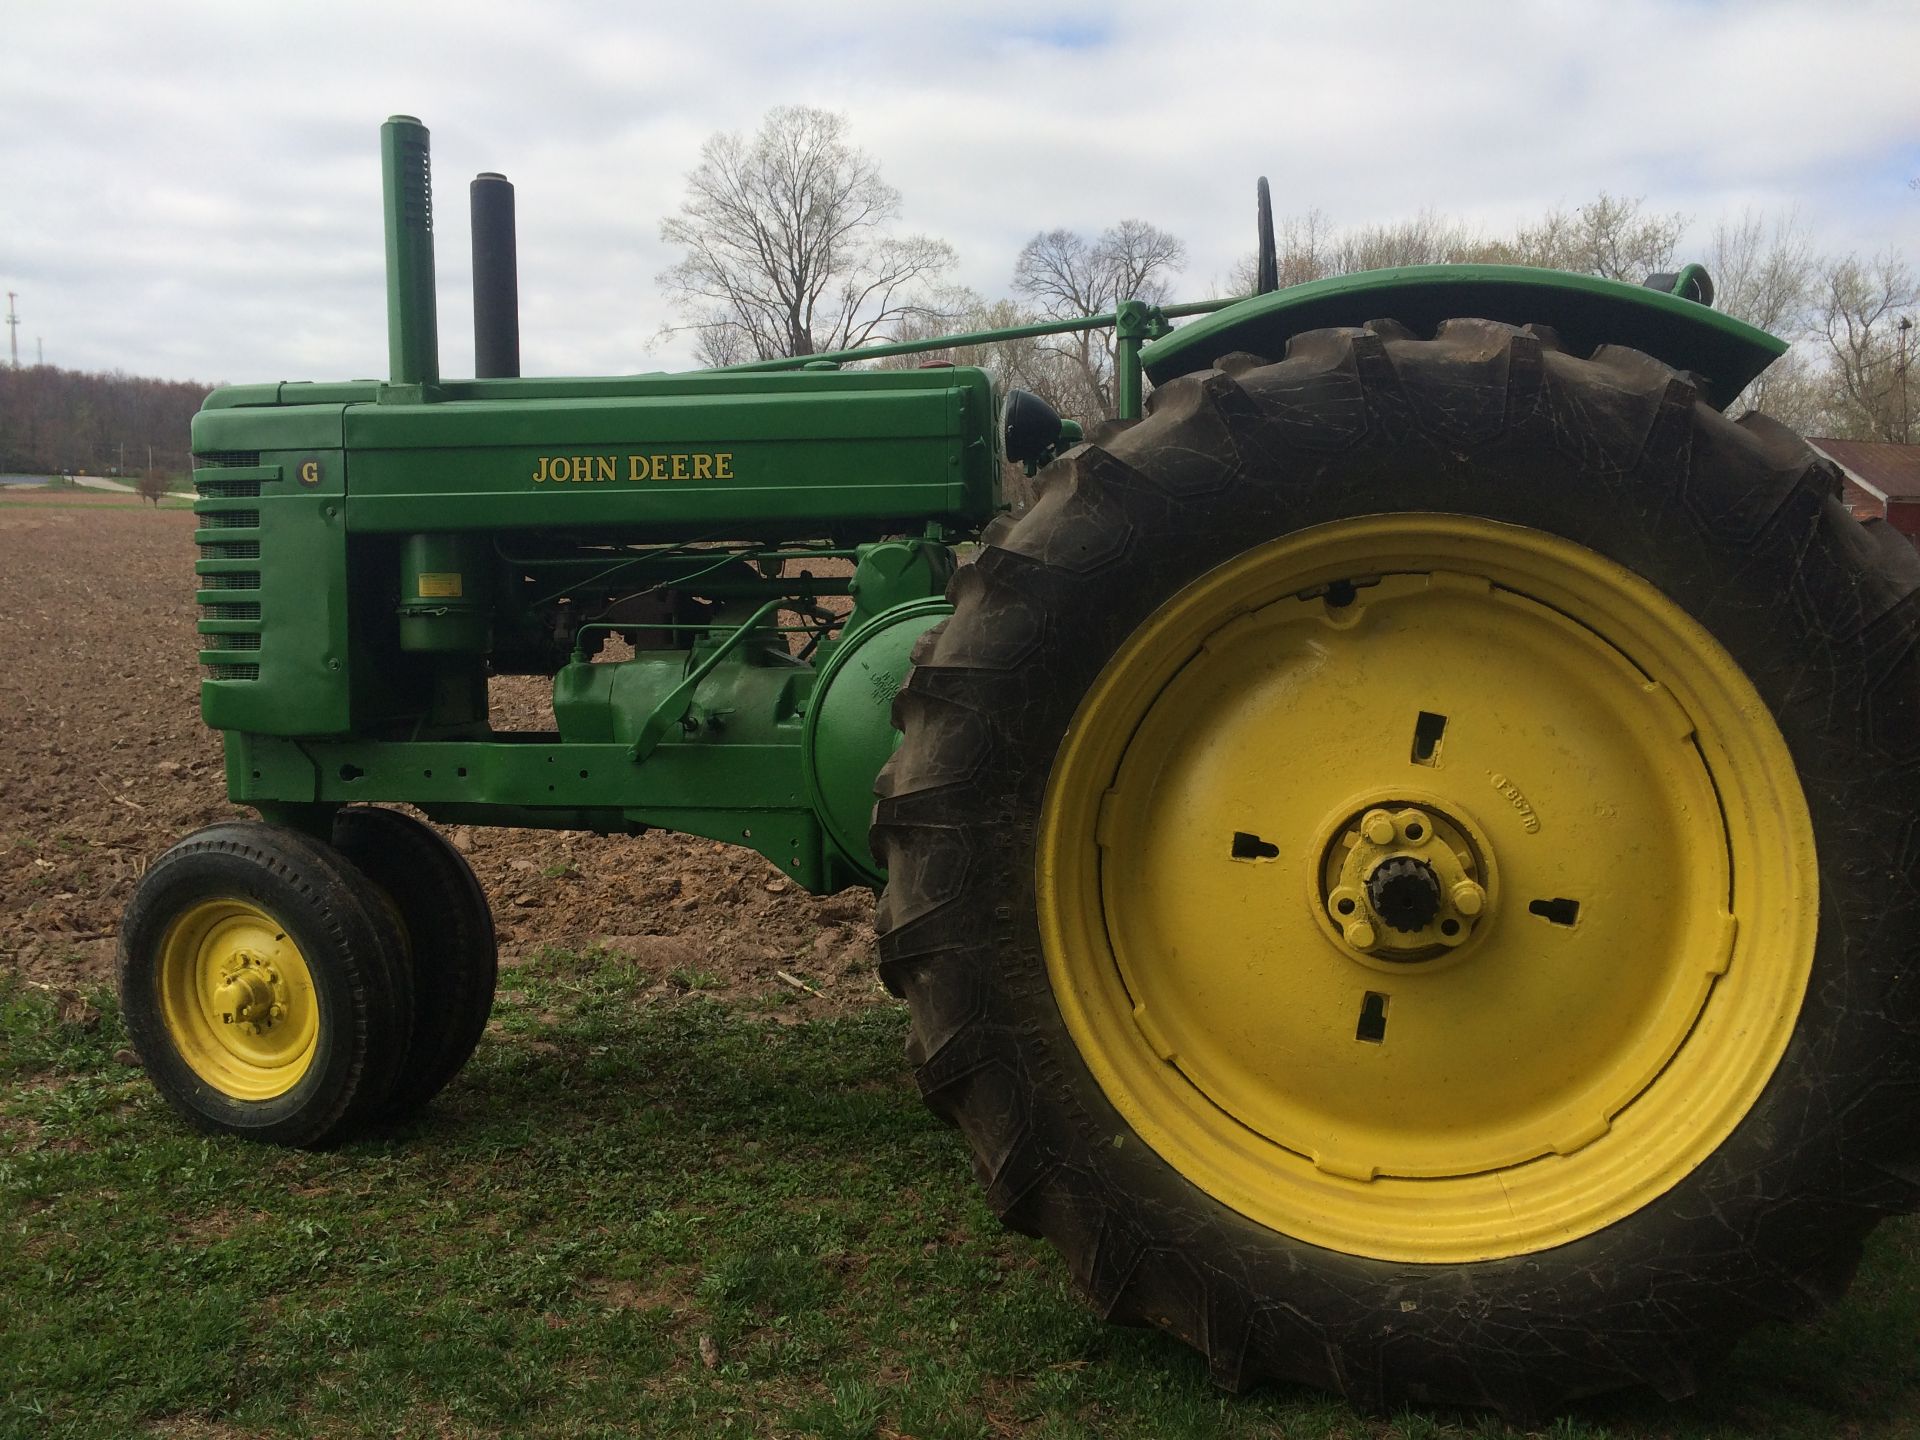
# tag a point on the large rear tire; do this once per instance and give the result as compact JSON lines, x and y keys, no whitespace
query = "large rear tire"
{"x":1403,"y":868}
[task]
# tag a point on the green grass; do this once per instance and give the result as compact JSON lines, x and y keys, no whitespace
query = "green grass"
{"x":656,"y":1218}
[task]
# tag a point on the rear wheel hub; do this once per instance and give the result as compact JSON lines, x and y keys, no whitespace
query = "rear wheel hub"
{"x":1402,"y":883}
{"x":1405,"y":894}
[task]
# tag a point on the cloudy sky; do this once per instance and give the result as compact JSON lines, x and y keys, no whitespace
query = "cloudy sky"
{"x":192,"y":189}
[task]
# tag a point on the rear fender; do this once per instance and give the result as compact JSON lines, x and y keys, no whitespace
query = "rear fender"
{"x":1723,"y":353}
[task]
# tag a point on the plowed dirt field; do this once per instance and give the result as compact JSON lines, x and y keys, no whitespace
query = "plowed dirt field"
{"x":105,"y":763}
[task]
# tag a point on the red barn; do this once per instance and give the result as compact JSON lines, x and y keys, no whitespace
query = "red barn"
{"x":1881,"y":479}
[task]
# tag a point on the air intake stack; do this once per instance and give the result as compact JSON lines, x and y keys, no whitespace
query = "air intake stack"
{"x":413,"y":342}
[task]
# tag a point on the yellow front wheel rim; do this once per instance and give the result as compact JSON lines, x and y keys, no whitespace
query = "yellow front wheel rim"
{"x":1427,"y":888}
{"x":237,"y":999}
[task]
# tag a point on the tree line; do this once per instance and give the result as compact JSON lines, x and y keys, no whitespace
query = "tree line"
{"x":789,"y":249}
{"x":57,"y":422}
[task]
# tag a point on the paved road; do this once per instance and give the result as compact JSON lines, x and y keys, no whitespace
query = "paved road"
{"x":88,"y":482}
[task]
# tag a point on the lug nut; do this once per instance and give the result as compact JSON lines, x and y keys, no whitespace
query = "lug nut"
{"x":1377,"y":826}
{"x":1360,"y":935}
{"x":1468,"y":897}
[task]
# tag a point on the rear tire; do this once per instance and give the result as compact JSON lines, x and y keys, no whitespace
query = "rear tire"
{"x":450,"y":941}
{"x":1051,"y":972}
{"x":264,"y":985}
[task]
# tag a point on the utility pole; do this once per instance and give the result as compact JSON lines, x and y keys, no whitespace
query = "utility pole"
{"x":1900,"y":368}
{"x":13,"y":328}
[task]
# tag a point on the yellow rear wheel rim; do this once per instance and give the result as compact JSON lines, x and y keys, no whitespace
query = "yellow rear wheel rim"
{"x":237,"y":999}
{"x":1570,"y":778}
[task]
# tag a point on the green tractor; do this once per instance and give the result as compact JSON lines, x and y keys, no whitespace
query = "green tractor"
{"x":1402,"y":863}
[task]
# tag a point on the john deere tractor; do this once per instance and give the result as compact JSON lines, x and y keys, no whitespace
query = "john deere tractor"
{"x":1402,"y":863}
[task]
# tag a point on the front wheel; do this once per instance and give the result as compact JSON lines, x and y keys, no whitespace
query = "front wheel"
{"x":450,"y":943}
{"x":264,"y":985}
{"x":1398,"y":867}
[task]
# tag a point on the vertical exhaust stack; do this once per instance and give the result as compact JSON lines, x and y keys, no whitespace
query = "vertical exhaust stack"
{"x":413,"y":340}
{"x":496,"y":281}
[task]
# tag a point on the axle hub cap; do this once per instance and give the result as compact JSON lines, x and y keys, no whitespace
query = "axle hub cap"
{"x":1405,"y":894}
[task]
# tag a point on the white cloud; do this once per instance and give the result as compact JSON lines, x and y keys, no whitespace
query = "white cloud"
{"x":193,"y":190}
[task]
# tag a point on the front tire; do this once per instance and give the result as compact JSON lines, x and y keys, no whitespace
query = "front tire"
{"x":264,"y":985}
{"x":452,"y":953}
{"x":1454,"y":631}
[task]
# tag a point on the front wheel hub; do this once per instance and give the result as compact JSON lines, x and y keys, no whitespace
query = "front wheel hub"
{"x":237,"y":999}
{"x":251,"y":995}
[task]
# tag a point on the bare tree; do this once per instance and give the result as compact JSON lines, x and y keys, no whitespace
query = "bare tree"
{"x":1866,"y":313}
{"x":1026,"y":362}
{"x":55,"y":421}
{"x":1796,"y":390}
{"x":1020,"y":360}
{"x":1610,"y":235}
{"x":1305,"y":248}
{"x":1851,"y":323}
{"x":719,"y":342}
{"x":152,"y":486}
{"x":787,"y":250}
{"x":1427,"y":239}
{"x":1065,"y":274}
{"x":1763,"y":270}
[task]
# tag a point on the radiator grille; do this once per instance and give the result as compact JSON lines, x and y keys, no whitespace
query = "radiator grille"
{"x":228,"y":627}
{"x":227,"y":459}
